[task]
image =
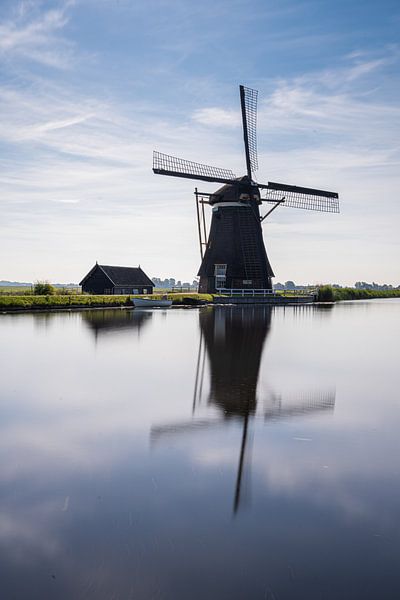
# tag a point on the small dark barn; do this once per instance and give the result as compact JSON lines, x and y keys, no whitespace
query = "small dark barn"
{"x":103,"y":279}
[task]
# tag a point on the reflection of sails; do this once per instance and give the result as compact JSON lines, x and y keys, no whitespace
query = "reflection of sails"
{"x":233,"y":339}
{"x":102,"y":322}
{"x":302,"y":403}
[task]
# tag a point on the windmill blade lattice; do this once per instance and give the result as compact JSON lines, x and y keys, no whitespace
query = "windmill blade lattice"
{"x":299,"y":197}
{"x":249,"y":115}
{"x":164,"y":164}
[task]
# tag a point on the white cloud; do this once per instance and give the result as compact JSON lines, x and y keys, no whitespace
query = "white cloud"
{"x":302,"y":108}
{"x":329,"y":101}
{"x":34,"y":38}
{"x":217,"y":117}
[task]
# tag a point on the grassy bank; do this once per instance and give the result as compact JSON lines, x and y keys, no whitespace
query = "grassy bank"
{"x":179,"y":298}
{"x":23,"y":290}
{"x":327,"y":293}
{"x":67,"y":301}
{"x":30,"y":302}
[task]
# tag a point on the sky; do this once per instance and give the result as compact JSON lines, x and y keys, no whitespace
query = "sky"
{"x":89,"y":88}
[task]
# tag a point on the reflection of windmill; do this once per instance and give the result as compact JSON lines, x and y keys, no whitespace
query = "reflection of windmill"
{"x":235,"y":255}
{"x":111,"y":321}
{"x":233,"y":339}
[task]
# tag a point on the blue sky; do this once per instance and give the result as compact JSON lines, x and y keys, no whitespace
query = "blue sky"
{"x":88,"y":88}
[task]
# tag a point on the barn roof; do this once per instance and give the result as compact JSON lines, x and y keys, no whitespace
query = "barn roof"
{"x":123,"y":276}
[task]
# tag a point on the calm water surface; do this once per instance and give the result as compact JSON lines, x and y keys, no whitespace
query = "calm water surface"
{"x":218,"y":453}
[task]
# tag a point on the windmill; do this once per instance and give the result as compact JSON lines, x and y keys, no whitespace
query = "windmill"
{"x":233,"y":253}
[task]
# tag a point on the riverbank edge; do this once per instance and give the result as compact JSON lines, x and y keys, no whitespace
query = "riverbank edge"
{"x":22,"y":304}
{"x":83,"y":301}
{"x":217,"y":300}
{"x":327,"y":295}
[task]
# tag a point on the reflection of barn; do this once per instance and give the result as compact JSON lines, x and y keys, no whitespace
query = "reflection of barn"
{"x":102,"y":322}
{"x":232,"y":338}
{"x":105,"y":279}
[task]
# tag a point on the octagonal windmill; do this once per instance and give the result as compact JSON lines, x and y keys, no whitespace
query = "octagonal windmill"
{"x":233,"y":252}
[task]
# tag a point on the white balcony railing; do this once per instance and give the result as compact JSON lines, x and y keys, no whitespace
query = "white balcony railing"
{"x":264,"y":293}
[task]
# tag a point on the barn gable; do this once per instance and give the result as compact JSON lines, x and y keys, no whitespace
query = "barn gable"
{"x":107,"y":279}
{"x":127,"y":276}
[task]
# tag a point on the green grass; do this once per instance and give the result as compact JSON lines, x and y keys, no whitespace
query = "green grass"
{"x":22,"y":290}
{"x":177,"y":297}
{"x":57,"y":301}
{"x":15,"y":290}
{"x":327,"y":293}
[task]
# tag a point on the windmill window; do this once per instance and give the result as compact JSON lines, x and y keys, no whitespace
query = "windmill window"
{"x":220,"y":270}
{"x":220,"y":275}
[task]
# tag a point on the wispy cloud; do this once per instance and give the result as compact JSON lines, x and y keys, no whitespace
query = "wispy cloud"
{"x":328,"y":101}
{"x":34,"y":37}
{"x":218,"y":117}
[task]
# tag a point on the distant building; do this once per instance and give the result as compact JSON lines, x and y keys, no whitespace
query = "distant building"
{"x":104,"y":279}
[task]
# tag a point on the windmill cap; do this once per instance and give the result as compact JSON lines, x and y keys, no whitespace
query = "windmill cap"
{"x":243,"y":190}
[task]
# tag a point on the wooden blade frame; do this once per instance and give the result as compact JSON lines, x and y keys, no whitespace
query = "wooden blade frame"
{"x":164,"y":164}
{"x":248,"y":103}
{"x":299,"y":197}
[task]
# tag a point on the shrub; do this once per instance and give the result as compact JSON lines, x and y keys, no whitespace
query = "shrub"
{"x":43,"y":288}
{"x":326,"y":293}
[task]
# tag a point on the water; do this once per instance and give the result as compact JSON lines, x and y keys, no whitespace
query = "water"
{"x":215,"y":453}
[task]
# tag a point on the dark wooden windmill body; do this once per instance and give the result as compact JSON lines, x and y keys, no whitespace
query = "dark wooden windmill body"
{"x":235,"y":255}
{"x":233,"y":252}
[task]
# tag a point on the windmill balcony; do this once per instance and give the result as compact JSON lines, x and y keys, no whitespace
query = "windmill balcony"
{"x":265,"y":292}
{"x":244,"y":292}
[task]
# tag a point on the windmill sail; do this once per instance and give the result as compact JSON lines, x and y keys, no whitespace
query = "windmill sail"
{"x":300,"y":197}
{"x":248,"y":101}
{"x":163,"y":164}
